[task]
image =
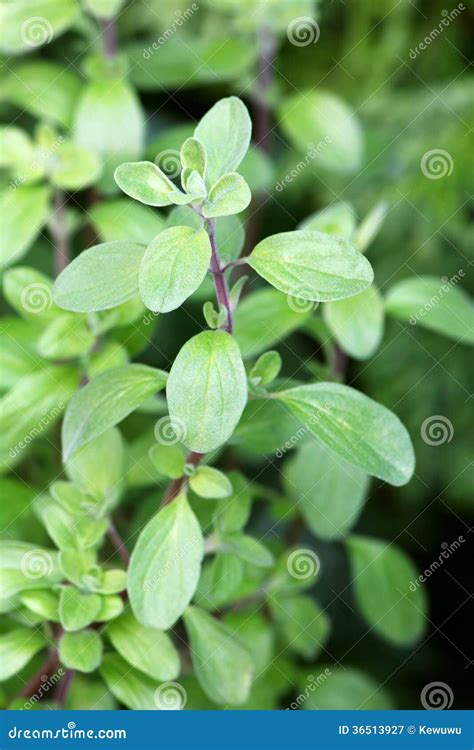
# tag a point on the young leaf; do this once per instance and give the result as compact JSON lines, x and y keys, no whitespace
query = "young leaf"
{"x":18,"y":647}
{"x":229,"y":195}
{"x":434,"y":304}
{"x":173,"y":267}
{"x":357,"y":323}
{"x":145,"y":182}
{"x":225,"y":134}
{"x":111,"y":607}
{"x":248,"y":549}
{"x":311,"y":265}
{"x":207,"y":390}
{"x":210,"y":482}
{"x":99,"y":278}
{"x":105,"y":401}
{"x":193,"y":156}
{"x":67,"y":337}
{"x":359,"y":429}
{"x":43,"y":602}
{"x":330,"y":492}
{"x":81,"y":651}
{"x":168,"y":459}
{"x":385,"y":586}
{"x":76,"y":609}
{"x":131,"y":687}
{"x":165,"y":565}
{"x":24,"y":212}
{"x":97,"y":467}
{"x":222,"y":663}
{"x":266,"y":368}
{"x":149,"y":650}
{"x":338,"y":218}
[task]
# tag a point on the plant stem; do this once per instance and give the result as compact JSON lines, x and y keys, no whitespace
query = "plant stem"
{"x":175,"y":487}
{"x":60,"y":233}
{"x":219,"y":277}
{"x":47,"y":668}
{"x":110,"y":38}
{"x":118,"y":544}
{"x":63,"y":689}
{"x":263,"y":115}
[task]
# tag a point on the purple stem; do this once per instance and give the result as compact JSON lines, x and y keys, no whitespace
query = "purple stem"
{"x":219,"y":278}
{"x":110,"y":39}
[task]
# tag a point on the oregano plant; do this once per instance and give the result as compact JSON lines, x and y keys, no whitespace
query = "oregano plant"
{"x":172,"y":544}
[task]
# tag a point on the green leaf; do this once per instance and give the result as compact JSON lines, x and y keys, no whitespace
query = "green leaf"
{"x":124,"y":219}
{"x":359,"y":429}
{"x":387,"y":589}
{"x":225,"y":132}
{"x":165,"y":565}
{"x":220,"y":581}
{"x":434,"y":303}
{"x":67,"y":337}
{"x":31,"y":408}
{"x":29,"y":24}
{"x":330,"y":492}
{"x":99,"y":278}
{"x":370,"y":226}
{"x":168,"y":459}
{"x":357,"y":323}
{"x":24,"y":212}
{"x":18,"y":355}
{"x":97,"y":467}
{"x":265,"y":317}
{"x":303,"y":624}
{"x":173,"y":267}
{"x":248,"y":549}
{"x":233,"y":513}
{"x":310,"y":265}
{"x":17,"y":648}
{"x":112,"y":606}
{"x":76,"y":609}
{"x":210,"y":482}
{"x":105,"y":401}
{"x":29,"y":292}
{"x":145,"y":182}
{"x":74,"y":167}
{"x":258,"y":634}
{"x":81,"y":651}
{"x":24,"y":566}
{"x":193,"y":156}
{"x":317,"y":121}
{"x":338,"y":218}
{"x":149,"y":650}
{"x":222,"y":663}
{"x":229,"y":195}
{"x":131,"y":687}
{"x":68,"y":531}
{"x":109,"y":121}
{"x":207,"y":390}
{"x":104,"y":9}
{"x":343,"y":689}
{"x":42,"y":602}
{"x":266,"y":368}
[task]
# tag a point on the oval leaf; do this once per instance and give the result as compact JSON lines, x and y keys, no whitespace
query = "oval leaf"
{"x":173,"y":267}
{"x":145,"y":182}
{"x":229,"y":195}
{"x":100,"y":278}
{"x":165,"y":565}
{"x":225,"y":134}
{"x":310,"y":265}
{"x":359,"y":429}
{"x":105,"y":401}
{"x":148,"y":649}
{"x":357,"y":323}
{"x":387,"y":589}
{"x":207,"y":390}
{"x":81,"y":651}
